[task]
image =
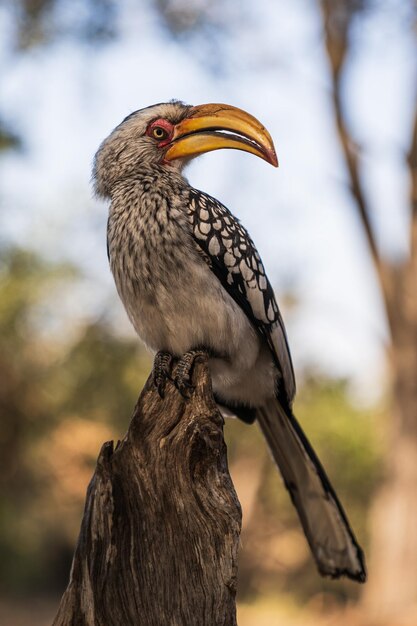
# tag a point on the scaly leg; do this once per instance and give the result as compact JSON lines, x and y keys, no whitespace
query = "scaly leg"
{"x":184,"y":370}
{"x":162,"y":370}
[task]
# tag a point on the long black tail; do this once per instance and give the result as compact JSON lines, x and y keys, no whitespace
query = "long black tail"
{"x":324,"y":521}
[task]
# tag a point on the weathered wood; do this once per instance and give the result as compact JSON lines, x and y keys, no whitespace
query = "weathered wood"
{"x":159,"y":538}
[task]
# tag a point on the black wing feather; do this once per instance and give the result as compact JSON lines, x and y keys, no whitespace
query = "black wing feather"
{"x":233,"y":258}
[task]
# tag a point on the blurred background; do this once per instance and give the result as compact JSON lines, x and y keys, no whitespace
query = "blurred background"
{"x":335,"y":83}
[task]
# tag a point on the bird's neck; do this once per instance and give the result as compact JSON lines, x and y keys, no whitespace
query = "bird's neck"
{"x":150,"y":180}
{"x":151,"y":195}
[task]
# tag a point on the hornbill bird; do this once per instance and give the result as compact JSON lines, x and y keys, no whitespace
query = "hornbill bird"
{"x":192,"y":281}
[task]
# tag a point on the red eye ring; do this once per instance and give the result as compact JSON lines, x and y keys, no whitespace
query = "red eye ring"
{"x":161,"y":130}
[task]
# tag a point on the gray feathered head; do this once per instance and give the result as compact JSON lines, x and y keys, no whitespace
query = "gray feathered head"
{"x":168,"y":135}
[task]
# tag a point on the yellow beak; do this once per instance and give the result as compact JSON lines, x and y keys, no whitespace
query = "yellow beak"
{"x":204,"y":128}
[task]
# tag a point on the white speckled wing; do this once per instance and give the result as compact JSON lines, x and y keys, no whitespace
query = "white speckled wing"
{"x":233,"y":258}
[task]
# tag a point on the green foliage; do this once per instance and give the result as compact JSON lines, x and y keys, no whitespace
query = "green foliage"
{"x":99,"y":377}
{"x":344,"y":436}
{"x":49,"y":395}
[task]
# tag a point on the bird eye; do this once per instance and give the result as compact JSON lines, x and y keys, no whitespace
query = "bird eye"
{"x":159,"y":133}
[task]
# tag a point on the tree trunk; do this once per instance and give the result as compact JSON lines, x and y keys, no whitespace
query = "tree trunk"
{"x":159,"y":538}
{"x":392,"y":590}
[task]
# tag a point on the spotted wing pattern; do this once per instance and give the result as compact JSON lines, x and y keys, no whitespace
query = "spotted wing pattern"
{"x":233,"y":258}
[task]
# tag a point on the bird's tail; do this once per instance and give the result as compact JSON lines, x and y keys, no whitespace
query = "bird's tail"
{"x":324,"y":521}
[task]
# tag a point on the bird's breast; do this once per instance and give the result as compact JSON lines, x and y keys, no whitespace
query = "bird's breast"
{"x":173,"y":299}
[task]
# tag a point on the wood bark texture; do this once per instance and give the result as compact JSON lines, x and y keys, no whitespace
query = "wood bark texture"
{"x":159,"y":537}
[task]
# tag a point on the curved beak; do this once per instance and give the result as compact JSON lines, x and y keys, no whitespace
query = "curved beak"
{"x":210,"y":127}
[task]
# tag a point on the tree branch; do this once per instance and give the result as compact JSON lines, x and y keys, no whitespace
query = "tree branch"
{"x":159,"y":538}
{"x":336,"y":27}
{"x":337,"y":18}
{"x":412,"y":163}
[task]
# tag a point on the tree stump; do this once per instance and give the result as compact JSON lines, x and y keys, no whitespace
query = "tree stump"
{"x":159,"y":537}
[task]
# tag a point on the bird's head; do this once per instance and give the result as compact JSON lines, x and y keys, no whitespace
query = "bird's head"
{"x":169,"y":135}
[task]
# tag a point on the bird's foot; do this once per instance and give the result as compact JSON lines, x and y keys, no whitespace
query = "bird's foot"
{"x":184,"y":371}
{"x":162,"y":370}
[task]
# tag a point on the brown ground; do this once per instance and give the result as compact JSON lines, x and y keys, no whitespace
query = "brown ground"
{"x":40,"y":612}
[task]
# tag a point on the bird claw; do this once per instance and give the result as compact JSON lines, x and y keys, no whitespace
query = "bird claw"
{"x":184,"y":387}
{"x":162,"y":371}
{"x":183,"y":373}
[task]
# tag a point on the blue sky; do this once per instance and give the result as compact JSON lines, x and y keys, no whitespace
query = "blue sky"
{"x":67,"y":97}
